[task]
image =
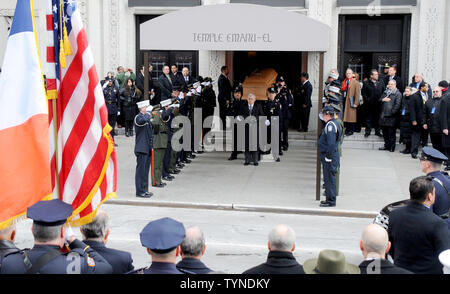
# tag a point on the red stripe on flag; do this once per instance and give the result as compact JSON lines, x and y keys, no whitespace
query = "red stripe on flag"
{"x":49,"y":18}
{"x":73,"y":75}
{"x":51,"y":84}
{"x":51,"y":55}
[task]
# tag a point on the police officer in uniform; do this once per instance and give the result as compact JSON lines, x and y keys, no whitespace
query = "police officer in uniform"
{"x":143,"y":148}
{"x":162,"y":238}
{"x":49,"y":236}
{"x":431,"y":162}
{"x":329,"y":154}
{"x":337,"y":112}
{"x":273,"y":109}
{"x":287,"y":101}
{"x":111,"y":93}
{"x":232,"y":110}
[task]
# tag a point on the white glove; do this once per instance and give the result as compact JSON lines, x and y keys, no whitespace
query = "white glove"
{"x":151,"y":96}
{"x":181,"y":96}
{"x":238,"y":118}
{"x":327,"y":159}
{"x":189,"y":94}
{"x":267,"y":122}
{"x":118,"y":112}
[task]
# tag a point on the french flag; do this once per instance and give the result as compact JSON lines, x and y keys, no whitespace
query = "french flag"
{"x":24,"y":136}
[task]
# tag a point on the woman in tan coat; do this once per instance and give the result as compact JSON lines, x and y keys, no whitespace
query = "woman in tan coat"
{"x":352,"y":92}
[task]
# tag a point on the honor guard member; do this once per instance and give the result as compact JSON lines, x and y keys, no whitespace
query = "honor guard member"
{"x":162,"y":238}
{"x":143,"y":148}
{"x":160,"y":141}
{"x":273,"y":109}
{"x":233,"y":110}
{"x":287,"y":101}
{"x":168,"y":155}
{"x":49,"y":234}
{"x":431,"y":161}
{"x":111,"y":93}
{"x":329,"y":155}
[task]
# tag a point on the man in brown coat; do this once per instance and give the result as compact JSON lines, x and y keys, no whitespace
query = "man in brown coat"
{"x":352,"y":91}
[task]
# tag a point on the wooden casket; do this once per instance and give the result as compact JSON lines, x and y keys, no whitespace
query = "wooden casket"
{"x":258,"y":82}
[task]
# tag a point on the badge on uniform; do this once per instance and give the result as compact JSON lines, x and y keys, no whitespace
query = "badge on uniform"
{"x":403,"y":111}
{"x":433,"y":110}
{"x":90,"y":261}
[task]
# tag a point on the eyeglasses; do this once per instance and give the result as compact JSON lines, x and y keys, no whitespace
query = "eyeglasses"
{"x":435,"y":91}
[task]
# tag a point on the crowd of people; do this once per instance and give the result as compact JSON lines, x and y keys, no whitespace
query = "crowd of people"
{"x":382,"y":103}
{"x":415,"y":241}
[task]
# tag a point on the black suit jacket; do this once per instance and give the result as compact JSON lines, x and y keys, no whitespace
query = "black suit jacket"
{"x":165,"y":86}
{"x":382,"y":267}
{"x":418,"y":236}
{"x":257,"y":110}
{"x":120,"y":261}
{"x":416,"y":108}
{"x":177,"y":79}
{"x":140,"y":82}
{"x":224,"y":89}
{"x":371,"y":93}
{"x":278,"y":262}
{"x":305,"y":95}
{"x":193,"y":265}
{"x":399,"y":83}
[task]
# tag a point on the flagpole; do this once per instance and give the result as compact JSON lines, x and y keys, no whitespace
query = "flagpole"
{"x":55,"y":138}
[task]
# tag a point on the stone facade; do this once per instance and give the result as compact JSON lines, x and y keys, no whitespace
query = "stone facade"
{"x":111,"y":29}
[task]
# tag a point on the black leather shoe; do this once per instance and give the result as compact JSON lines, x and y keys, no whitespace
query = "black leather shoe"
{"x":405,"y":151}
{"x":131,"y":133}
{"x":232,"y":157}
{"x":323,"y":202}
{"x":126,"y":134}
{"x":149,"y":193}
{"x":179,"y":165}
{"x":144,"y":195}
{"x":192,"y":156}
{"x":246,"y":163}
{"x":174,"y":172}
{"x":379,"y":134}
{"x":255,"y":164}
{"x":382,"y":148}
{"x":166,"y":179}
{"x":160,"y":185}
{"x":392,"y":149}
{"x":327,"y":204}
{"x":280,"y":153}
{"x":278,"y":159}
{"x":187,"y":161}
{"x":414,"y":156}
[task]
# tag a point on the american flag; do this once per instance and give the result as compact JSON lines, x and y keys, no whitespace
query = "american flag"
{"x":83,"y":159}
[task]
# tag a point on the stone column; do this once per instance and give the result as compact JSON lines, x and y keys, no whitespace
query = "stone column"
{"x":431,"y":36}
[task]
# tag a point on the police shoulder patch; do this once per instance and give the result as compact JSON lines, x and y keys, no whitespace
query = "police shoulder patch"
{"x":330,"y":128}
{"x":90,"y":261}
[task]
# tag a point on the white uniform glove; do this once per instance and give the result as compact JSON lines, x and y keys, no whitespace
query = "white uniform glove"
{"x":267,"y":122}
{"x":328,"y":160}
{"x":118,"y":112}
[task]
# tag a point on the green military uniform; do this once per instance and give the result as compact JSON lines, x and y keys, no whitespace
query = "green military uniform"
{"x":160,"y":140}
{"x":121,"y":78}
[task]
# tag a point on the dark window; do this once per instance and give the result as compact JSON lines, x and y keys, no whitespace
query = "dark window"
{"x":372,"y":2}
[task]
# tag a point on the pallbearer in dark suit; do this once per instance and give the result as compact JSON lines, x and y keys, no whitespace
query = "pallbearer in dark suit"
{"x":188,"y":80}
{"x":253,"y":110}
{"x":305,"y":101}
{"x":143,"y":148}
{"x":287,"y":102}
{"x":417,"y":235}
{"x":224,"y":93}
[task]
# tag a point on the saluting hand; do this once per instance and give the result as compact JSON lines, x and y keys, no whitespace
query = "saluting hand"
{"x":445,"y":131}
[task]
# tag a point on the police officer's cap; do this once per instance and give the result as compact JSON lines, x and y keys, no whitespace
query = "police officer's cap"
{"x":162,"y":235}
{"x":332,"y":97}
{"x":336,"y":108}
{"x":328,"y":110}
{"x":386,"y":65}
{"x":336,"y":84}
{"x":334,"y":89}
{"x":431,"y":154}
{"x":238,"y":88}
{"x":272,"y":90}
{"x":50,"y":213}
{"x":333,"y":75}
